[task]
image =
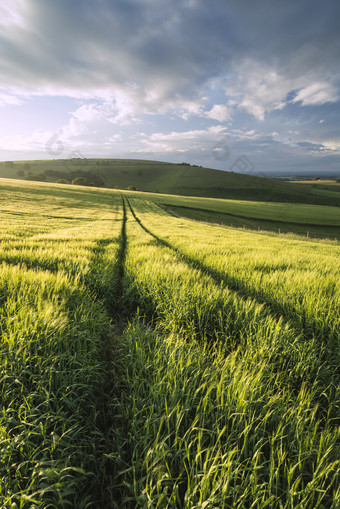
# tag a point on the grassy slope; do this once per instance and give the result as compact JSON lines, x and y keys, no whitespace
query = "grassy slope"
{"x":331,"y":186}
{"x":250,"y":424}
{"x":319,"y":221}
{"x":238,"y":221}
{"x":154,"y":176}
{"x":59,"y":261}
{"x":184,"y":466}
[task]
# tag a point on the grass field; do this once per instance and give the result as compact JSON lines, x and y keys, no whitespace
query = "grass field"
{"x":307,"y":220}
{"x":320,"y":182}
{"x":153,"y":361}
{"x":303,"y":219}
{"x":169,"y":178}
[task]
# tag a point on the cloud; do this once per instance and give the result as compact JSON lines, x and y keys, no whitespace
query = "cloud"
{"x":256,"y":87}
{"x":174,"y":69}
{"x":95,"y":116}
{"x":98,"y":49}
{"x":317,"y":93}
{"x":159,"y":54}
{"x":198,"y":140}
{"x":259,"y":88}
{"x":218,"y":112}
{"x":12,"y":14}
{"x":9,"y":99}
{"x":35,"y":141}
{"x":332,"y":144}
{"x":312,"y":147}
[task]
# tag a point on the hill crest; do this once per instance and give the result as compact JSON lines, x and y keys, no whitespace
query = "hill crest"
{"x":170,"y":178}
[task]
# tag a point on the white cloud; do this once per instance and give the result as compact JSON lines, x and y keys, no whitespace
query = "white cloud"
{"x":184,"y":141}
{"x":12,"y":13}
{"x":218,"y":112}
{"x":37,"y":140}
{"x":10,"y":99}
{"x":115,"y":138}
{"x":332,"y":144}
{"x":189,"y":109}
{"x":94,"y":119}
{"x":258,"y":88}
{"x":317,"y":93}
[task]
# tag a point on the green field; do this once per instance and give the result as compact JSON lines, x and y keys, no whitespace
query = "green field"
{"x":303,"y":219}
{"x":152,"y":361}
{"x":328,"y":185}
{"x":169,"y":178}
{"x":316,"y":221}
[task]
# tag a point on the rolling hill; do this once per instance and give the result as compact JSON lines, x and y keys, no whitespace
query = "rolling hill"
{"x":180,"y":179}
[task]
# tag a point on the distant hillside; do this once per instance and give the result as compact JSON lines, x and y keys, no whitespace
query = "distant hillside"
{"x":180,"y":179}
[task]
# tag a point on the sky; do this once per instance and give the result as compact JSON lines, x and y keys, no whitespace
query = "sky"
{"x":241,"y":85}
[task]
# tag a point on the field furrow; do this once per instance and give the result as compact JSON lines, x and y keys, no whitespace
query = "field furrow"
{"x":219,"y":425}
{"x":148,"y":361}
{"x":58,"y":292}
{"x":278,"y":273}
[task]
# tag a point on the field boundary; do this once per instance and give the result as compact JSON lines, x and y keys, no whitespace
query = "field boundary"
{"x":306,"y":234}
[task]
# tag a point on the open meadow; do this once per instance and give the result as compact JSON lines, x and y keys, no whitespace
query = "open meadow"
{"x":173,"y":179}
{"x":151,"y":361}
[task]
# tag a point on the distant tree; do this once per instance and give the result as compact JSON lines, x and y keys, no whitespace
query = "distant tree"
{"x":27,"y":166}
{"x":20,"y":173}
{"x":62,"y":181}
{"x":80,"y":181}
{"x":132,"y":188}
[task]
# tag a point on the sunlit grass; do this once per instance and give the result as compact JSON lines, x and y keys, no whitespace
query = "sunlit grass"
{"x":207,"y":430}
{"x":150,"y":361}
{"x":251,"y":422}
{"x":54,"y":328}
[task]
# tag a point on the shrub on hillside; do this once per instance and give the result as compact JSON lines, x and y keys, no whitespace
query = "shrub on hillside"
{"x":80,"y":181}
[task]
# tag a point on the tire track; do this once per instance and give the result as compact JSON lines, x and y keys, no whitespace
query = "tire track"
{"x":275,"y":308}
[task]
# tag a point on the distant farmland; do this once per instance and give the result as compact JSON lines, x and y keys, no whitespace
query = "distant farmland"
{"x":179,"y":179}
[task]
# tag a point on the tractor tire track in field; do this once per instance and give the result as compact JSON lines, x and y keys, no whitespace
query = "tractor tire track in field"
{"x":290,"y":316}
{"x":111,"y":429}
{"x":121,"y":255}
{"x":101,"y":275}
{"x":327,"y":352}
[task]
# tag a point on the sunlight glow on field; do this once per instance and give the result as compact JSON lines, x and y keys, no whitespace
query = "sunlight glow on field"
{"x":146,"y":357}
